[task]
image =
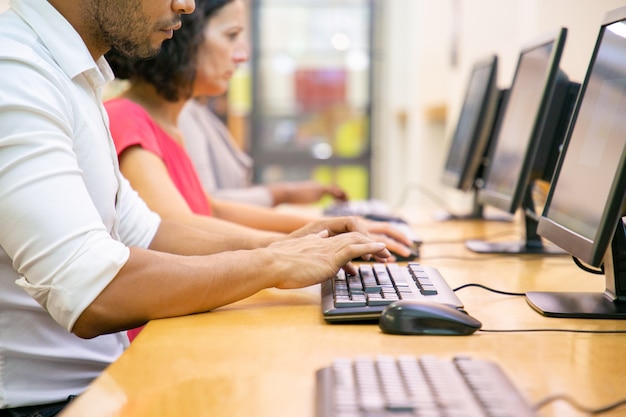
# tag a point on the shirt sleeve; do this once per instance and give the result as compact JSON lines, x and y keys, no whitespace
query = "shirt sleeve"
{"x":53,"y":234}
{"x":138,"y":224}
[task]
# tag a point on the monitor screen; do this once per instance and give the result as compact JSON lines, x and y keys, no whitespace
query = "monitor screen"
{"x":516,"y":157}
{"x":527,"y":142}
{"x":584,"y":206}
{"x":474,"y":126}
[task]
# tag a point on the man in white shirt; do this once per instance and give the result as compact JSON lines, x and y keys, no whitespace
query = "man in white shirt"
{"x":81,"y":256}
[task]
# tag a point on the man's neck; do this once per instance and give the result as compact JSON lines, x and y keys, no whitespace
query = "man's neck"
{"x":75,"y":13}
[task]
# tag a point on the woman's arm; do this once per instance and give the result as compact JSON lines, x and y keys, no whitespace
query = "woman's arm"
{"x":262,"y":218}
{"x":148,"y":175}
{"x":247,"y":226}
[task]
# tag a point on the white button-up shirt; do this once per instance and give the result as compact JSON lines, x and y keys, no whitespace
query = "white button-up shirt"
{"x":67,"y":216}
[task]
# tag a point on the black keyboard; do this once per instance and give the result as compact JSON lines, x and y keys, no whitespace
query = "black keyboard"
{"x":405,"y":386}
{"x":362,"y":297}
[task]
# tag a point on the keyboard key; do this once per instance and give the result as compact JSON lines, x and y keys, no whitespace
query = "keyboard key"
{"x":346,"y":302}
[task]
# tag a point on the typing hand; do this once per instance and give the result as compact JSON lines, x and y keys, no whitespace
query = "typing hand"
{"x":316,"y":257}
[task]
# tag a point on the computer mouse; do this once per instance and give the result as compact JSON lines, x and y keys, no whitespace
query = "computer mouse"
{"x":415,"y":317}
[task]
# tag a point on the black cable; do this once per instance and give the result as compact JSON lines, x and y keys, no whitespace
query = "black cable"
{"x":585,"y":331}
{"x":588,"y":269}
{"x":593,"y":411}
{"x":515,"y":294}
{"x":500,"y":256}
{"x":521,"y":294}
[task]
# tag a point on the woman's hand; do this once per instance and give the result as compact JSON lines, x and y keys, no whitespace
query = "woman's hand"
{"x":305,"y":192}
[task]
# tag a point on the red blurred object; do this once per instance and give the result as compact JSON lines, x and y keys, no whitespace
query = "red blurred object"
{"x":320,"y":88}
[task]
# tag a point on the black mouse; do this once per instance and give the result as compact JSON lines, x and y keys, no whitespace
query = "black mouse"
{"x":426,"y":318}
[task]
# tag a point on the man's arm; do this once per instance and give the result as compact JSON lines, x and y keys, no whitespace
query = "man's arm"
{"x":154,"y":284}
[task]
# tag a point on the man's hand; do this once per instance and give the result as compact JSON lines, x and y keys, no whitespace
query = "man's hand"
{"x":316,"y":257}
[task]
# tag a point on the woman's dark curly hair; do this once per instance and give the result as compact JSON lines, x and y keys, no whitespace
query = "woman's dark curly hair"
{"x":173,"y":70}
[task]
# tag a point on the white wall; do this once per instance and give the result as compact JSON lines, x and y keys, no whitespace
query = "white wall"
{"x":420,"y":74}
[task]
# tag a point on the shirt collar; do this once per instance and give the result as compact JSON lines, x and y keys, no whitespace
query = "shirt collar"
{"x":65,"y":44}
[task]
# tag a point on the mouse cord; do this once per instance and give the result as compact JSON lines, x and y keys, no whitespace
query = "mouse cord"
{"x":592,"y":411}
{"x":521,"y":294}
{"x":553,"y":330}
{"x":516,"y":294}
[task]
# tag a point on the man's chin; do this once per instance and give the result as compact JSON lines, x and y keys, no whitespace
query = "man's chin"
{"x":133,"y":51}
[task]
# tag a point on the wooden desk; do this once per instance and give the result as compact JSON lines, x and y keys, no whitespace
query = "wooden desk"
{"x":258,"y":357}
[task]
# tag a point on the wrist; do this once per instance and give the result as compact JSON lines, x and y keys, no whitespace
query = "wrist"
{"x":280,"y":193}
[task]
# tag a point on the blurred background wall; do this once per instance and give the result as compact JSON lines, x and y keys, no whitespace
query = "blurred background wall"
{"x":432,"y":45}
{"x":428,"y":49}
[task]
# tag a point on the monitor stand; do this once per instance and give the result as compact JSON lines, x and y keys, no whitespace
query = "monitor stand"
{"x":610,"y":304}
{"x":530,"y":244}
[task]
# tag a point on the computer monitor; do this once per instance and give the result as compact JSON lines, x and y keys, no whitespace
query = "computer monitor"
{"x":584,"y":209}
{"x":527,"y":142}
{"x":473,"y":133}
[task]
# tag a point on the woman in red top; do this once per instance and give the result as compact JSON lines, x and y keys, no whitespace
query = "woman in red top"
{"x":198,"y":61}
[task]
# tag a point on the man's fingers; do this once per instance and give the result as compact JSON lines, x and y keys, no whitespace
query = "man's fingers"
{"x":365,"y":250}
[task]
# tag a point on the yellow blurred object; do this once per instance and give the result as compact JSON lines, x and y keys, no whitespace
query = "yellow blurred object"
{"x":239,"y":97}
{"x":350,"y":138}
{"x":352,"y":178}
{"x":539,"y":194}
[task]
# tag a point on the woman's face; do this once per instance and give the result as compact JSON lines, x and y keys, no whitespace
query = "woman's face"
{"x":223,"y":49}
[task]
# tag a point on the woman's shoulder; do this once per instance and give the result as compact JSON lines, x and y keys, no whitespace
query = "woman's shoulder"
{"x":121,"y":106}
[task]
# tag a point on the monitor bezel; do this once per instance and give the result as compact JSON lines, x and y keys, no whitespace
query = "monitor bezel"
{"x":590,"y":251}
{"x":512,"y":202}
{"x":464,"y":178}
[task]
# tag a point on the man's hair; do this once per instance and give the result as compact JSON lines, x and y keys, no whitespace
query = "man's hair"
{"x":173,"y":70}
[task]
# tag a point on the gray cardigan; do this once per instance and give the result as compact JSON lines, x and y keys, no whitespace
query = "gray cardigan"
{"x":224,"y":170}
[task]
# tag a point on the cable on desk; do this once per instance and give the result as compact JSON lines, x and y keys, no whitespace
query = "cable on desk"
{"x":546,"y":330}
{"x":593,"y":411}
{"x":516,"y":294}
{"x":521,"y":294}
